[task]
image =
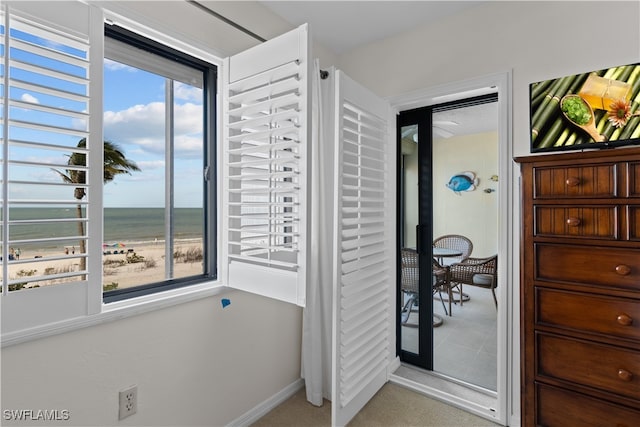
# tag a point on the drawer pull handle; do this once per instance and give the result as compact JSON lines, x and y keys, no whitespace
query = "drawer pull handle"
{"x":624,"y":319}
{"x":573,"y":222}
{"x":623,"y":270}
{"x":573,"y":181}
{"x":625,"y":375}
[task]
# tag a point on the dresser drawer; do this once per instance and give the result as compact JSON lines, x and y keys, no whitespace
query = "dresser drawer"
{"x":595,"y":265}
{"x":633,"y":215}
{"x":634,"y":179}
{"x":594,"y":222}
{"x":563,"y":408}
{"x":604,"y":367}
{"x":610,"y":316}
{"x":587,"y":181}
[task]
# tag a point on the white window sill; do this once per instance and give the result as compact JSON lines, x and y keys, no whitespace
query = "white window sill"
{"x":119,"y":310}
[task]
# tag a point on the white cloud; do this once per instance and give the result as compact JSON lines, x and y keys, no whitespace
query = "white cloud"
{"x":29,"y":98}
{"x":117,"y":66}
{"x":188,"y":146}
{"x":146,"y":165}
{"x":137,"y":178}
{"x":49,"y":176}
{"x":136,"y":123}
{"x":143,"y":126}
{"x":47,"y":160}
{"x":79,"y":124}
{"x":187,"y":92}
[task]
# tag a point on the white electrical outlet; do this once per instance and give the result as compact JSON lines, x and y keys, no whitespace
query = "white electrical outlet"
{"x":128,"y":402}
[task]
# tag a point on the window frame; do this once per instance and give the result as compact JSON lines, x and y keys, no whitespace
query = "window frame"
{"x":210,"y":188}
{"x":97,"y":311}
{"x":92,"y":310}
{"x":32,"y":309}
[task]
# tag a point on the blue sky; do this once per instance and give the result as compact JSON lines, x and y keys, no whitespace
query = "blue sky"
{"x":134,"y":117}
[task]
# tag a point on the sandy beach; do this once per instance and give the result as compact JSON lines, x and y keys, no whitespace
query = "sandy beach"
{"x":135,"y":263}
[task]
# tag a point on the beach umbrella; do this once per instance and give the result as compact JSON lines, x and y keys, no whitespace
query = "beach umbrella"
{"x":118,"y":245}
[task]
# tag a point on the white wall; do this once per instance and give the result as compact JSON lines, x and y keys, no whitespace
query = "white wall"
{"x":195,"y":364}
{"x":195,"y":25}
{"x":537,"y":40}
{"x":471,"y":213}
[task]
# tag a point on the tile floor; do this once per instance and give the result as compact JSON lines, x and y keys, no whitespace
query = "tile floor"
{"x":465,"y":344}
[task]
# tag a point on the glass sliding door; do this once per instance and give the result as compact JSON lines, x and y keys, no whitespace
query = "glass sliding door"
{"x":465,"y":204}
{"x":448,"y":206}
{"x":415,"y":326}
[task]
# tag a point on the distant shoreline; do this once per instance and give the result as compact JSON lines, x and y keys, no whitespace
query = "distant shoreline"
{"x":116,"y":268}
{"x":27,"y":252}
{"x":128,"y":225}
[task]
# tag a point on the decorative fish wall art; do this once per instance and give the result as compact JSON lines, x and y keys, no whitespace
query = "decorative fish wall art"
{"x":463,"y":181}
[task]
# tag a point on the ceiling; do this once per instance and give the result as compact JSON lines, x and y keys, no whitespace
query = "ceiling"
{"x":458,"y":122}
{"x":341,"y":26}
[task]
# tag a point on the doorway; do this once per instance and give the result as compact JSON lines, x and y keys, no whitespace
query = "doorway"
{"x":449,"y":211}
{"x":451,"y":182}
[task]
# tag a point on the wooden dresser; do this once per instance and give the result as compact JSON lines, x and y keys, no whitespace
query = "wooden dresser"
{"x":580,"y":289}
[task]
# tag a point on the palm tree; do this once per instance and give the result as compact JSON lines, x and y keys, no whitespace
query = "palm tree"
{"x":115,"y":163}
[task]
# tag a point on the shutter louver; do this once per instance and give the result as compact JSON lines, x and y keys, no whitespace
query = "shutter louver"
{"x":364,"y":274}
{"x":266,"y":168}
{"x":46,"y":104}
{"x":51,"y":65}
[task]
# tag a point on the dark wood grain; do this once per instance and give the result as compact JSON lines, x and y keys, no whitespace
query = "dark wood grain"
{"x":589,"y":364}
{"x":562,"y":408}
{"x":593,"y":265}
{"x":577,"y":221}
{"x":584,"y":312}
{"x":580,"y":288}
{"x":586,"y":181}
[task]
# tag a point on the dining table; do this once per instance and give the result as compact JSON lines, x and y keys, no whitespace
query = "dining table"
{"x":440,"y":254}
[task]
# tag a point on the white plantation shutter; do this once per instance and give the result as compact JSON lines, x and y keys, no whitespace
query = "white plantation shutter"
{"x":266,"y":126}
{"x":46,"y":110}
{"x":364,"y":274}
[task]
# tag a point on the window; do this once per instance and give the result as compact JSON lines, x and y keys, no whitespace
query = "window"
{"x":158,"y":212}
{"x":72,"y":94}
{"x":45,"y":100}
{"x":61,"y":211}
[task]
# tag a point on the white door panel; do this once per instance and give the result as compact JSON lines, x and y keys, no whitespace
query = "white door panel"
{"x":364,"y":275}
{"x":266,"y":168}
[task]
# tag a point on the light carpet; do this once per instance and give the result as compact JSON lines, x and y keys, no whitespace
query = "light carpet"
{"x":392,"y":406}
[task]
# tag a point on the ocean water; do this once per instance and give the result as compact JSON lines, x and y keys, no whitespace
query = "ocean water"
{"x":120,"y":225}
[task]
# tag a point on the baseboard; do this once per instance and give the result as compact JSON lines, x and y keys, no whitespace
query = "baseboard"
{"x":447,"y":397}
{"x":263,"y":408}
{"x":393,"y":366}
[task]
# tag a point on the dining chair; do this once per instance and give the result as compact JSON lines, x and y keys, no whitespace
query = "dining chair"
{"x":410,"y":277}
{"x":454,"y":241}
{"x":441,"y":283}
{"x":481,"y":272}
{"x":464,"y":246}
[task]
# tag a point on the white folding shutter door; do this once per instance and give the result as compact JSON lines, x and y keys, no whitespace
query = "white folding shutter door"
{"x":363,"y":275}
{"x":46,"y":86}
{"x":265,"y":175}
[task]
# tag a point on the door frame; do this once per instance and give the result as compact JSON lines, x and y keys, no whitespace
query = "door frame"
{"x":424,"y":357}
{"x":508,"y":380}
